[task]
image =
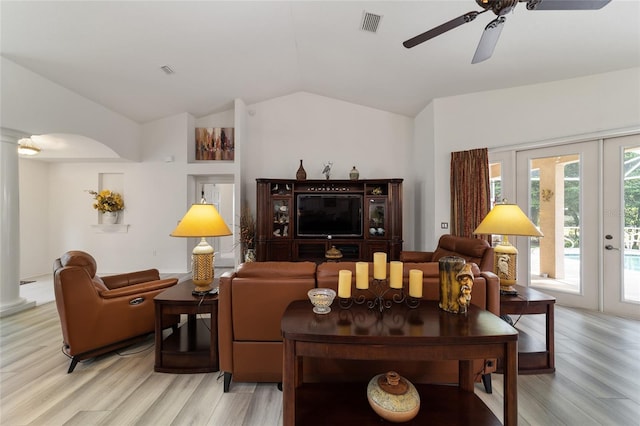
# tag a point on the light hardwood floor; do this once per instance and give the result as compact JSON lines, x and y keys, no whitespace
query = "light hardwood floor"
{"x":597,"y":381}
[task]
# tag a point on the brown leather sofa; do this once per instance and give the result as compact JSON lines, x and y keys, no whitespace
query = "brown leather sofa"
{"x":253,"y":298}
{"x":99,"y":315}
{"x":251,"y":303}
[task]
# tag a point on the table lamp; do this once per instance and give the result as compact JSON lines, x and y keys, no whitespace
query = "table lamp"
{"x":507,"y":219}
{"x":201,"y":221}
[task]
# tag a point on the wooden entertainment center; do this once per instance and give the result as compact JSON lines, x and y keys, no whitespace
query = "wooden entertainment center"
{"x":301,"y":219}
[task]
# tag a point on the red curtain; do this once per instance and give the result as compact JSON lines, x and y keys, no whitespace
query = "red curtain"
{"x":470,"y":190}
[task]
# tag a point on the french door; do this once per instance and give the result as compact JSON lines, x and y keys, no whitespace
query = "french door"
{"x":621,"y":226}
{"x":585,"y":197}
{"x":558,"y":188}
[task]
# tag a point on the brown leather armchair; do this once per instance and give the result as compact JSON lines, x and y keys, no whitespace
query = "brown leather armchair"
{"x":99,"y":315}
{"x":473,"y":250}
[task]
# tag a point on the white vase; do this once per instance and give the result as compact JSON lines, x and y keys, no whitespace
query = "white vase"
{"x":109,"y":218}
{"x":250,"y":255}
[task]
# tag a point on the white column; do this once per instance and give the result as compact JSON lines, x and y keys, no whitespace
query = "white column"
{"x":10,"y":300}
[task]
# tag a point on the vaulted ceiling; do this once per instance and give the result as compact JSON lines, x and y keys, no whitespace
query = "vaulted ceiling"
{"x":111,"y":52}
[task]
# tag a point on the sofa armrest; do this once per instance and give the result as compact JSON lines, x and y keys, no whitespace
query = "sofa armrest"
{"x":416,"y":256}
{"x":138,"y":289}
{"x":493,"y":291}
{"x":225,"y":324}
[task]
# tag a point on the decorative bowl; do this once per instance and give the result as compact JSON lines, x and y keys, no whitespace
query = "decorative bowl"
{"x":321,"y":298}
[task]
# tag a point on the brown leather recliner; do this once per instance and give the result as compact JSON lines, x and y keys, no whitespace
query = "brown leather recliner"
{"x":99,"y":315}
{"x":473,"y":250}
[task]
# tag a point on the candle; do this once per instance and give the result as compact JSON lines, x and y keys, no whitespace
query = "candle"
{"x":344,"y":284}
{"x":362,"y":275}
{"x":379,"y":266}
{"x":415,"y":283}
{"x":395,"y":274}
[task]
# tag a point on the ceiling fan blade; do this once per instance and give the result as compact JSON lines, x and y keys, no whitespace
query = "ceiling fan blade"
{"x":566,"y":4}
{"x":440,"y":29}
{"x":489,"y":39}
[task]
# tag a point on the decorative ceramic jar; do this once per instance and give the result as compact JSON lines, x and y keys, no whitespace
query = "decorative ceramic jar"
{"x":354,"y":174}
{"x":250,"y":255}
{"x":301,"y":174}
{"x":109,"y":218}
{"x":393,"y":397}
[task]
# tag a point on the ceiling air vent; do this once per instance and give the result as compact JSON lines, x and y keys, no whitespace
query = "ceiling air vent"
{"x":370,"y":22}
{"x":167,"y":69}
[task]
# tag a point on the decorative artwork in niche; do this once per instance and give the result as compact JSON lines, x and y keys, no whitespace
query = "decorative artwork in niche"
{"x":215,"y":143}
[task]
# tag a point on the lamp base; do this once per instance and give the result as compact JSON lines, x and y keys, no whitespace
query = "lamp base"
{"x":203,"y":258}
{"x":508,"y":290}
{"x":209,"y":292}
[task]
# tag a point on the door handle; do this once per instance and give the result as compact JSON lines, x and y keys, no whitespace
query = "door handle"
{"x":610,"y":247}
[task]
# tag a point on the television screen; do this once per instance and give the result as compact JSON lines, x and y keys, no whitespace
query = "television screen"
{"x":320,"y":215}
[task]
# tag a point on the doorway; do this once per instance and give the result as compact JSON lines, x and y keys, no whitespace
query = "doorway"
{"x":585,"y":197}
{"x":219,"y":191}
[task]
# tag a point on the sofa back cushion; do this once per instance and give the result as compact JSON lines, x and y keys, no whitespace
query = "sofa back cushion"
{"x":327,"y":273}
{"x":261,"y":293}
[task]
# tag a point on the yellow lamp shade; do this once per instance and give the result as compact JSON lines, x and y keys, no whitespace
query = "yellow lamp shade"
{"x":202,"y":220}
{"x":507,"y":219}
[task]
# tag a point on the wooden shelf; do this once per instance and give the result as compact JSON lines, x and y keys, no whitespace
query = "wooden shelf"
{"x":181,"y":341}
{"x":111,"y":228}
{"x":346,"y":403}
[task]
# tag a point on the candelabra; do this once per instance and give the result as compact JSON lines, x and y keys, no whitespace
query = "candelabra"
{"x":378,"y":289}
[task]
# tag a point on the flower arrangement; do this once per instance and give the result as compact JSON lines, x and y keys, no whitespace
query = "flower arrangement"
{"x":247,"y":229}
{"x":107,"y":201}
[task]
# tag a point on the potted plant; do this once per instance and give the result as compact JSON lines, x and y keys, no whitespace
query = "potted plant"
{"x":247,"y":234}
{"x":108,"y":203}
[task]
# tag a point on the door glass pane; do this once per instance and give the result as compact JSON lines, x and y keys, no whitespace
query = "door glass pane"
{"x":495,"y":179}
{"x":554,"y":186}
{"x":631,"y":280}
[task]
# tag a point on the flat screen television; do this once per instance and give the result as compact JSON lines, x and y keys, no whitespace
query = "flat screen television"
{"x":321,"y":215}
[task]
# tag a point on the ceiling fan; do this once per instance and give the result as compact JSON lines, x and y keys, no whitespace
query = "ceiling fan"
{"x":492,"y":31}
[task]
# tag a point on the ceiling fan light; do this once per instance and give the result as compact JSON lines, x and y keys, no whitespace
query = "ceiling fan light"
{"x":26,"y":147}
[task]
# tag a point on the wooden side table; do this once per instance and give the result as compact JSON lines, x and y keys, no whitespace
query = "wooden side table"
{"x":192,"y":347}
{"x":533,"y":357}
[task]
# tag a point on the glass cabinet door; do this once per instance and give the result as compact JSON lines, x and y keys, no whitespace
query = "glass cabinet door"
{"x":377,"y":217}
{"x":281,"y":209}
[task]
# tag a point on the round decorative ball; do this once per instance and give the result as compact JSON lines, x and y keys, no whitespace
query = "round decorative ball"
{"x":393,"y":397}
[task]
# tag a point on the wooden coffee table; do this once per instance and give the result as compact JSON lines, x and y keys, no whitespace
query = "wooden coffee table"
{"x":425,"y":333}
{"x":192,"y":347}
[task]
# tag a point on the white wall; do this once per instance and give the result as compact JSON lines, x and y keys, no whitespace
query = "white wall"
{"x":317,"y":129}
{"x":34,"y":218}
{"x":35,"y":105}
{"x":420,"y":204}
{"x":527,"y":114}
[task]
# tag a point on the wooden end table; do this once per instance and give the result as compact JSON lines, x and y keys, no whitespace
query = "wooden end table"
{"x":533,"y":356}
{"x":192,"y":347}
{"x":425,"y":333}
